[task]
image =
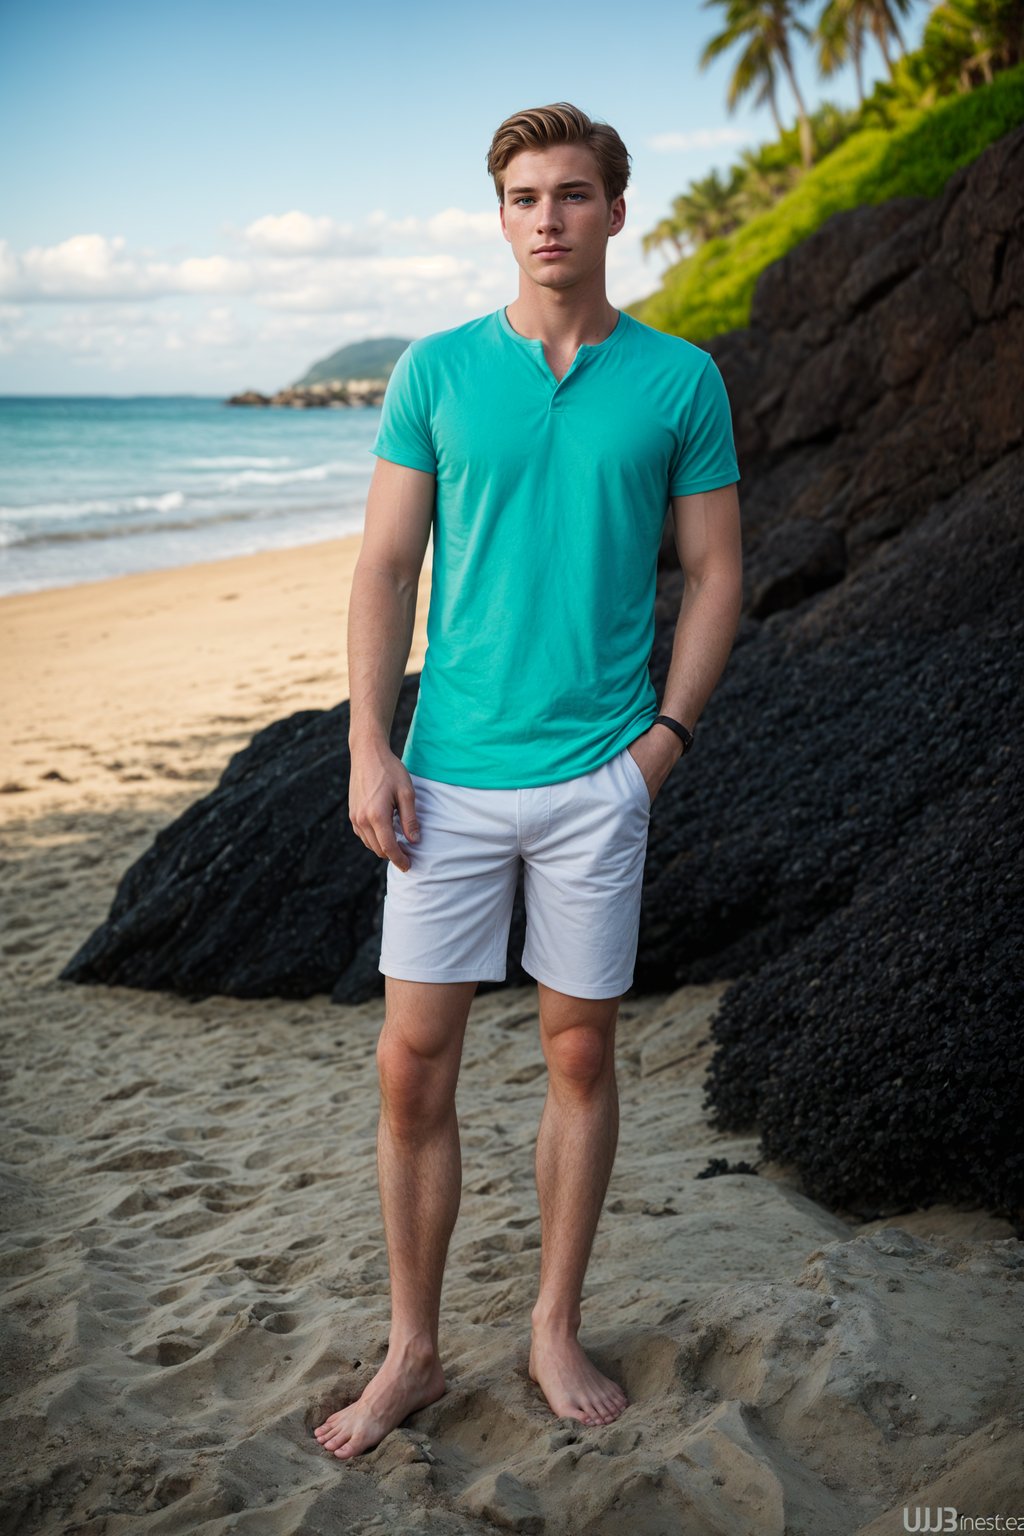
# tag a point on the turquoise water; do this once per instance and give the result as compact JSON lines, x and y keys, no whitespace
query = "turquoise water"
{"x":92,"y":487}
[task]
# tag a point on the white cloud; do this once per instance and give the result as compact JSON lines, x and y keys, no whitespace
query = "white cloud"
{"x":220,"y":329}
{"x":8,"y":268}
{"x":292,"y":260}
{"x":295,"y":287}
{"x":97,"y":267}
{"x":80,"y":266}
{"x":698,"y":138}
{"x":452,"y":226}
{"x":303,"y":234}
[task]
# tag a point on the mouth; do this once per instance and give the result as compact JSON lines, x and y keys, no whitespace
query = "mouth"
{"x":552,"y":250}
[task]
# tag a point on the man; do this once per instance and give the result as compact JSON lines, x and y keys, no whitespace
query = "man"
{"x":543,"y":443}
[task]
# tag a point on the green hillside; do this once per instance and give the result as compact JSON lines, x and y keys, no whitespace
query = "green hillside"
{"x":710,"y":291}
{"x":371,"y":359}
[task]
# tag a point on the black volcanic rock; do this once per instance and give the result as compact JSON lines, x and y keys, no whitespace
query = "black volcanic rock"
{"x":261,"y":888}
{"x":881,"y":1053}
{"x":798,"y":558}
{"x":883,"y":367}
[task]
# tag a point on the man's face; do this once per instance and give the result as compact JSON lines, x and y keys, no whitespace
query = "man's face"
{"x":555,"y":197}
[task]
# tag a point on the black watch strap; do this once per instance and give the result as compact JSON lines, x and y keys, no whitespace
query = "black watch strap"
{"x":685,"y":736}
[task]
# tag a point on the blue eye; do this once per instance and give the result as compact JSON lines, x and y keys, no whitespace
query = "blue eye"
{"x":527,"y":199}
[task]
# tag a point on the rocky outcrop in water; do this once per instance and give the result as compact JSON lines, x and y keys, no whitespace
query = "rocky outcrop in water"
{"x":304,"y":397}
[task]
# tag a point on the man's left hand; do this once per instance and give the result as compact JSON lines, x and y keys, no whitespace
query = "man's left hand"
{"x":656,"y":753}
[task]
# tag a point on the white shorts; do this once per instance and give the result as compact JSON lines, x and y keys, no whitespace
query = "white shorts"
{"x":583,"y":845}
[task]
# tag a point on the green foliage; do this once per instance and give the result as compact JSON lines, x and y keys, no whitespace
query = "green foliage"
{"x":370,"y":359}
{"x":710,"y":291}
{"x":920,"y":160}
{"x":716,"y":206}
{"x":967,"y":41}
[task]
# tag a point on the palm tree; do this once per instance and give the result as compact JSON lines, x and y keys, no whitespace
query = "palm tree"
{"x":665,"y":232}
{"x":881,"y":20}
{"x":762,"y":183}
{"x":971,"y":39}
{"x":707,"y":209}
{"x":840,"y":36}
{"x":710,"y":207}
{"x":764,"y":27}
{"x":756,"y":69}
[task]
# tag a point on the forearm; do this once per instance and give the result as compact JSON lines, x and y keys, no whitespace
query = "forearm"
{"x":381,"y":616}
{"x":709,"y":616}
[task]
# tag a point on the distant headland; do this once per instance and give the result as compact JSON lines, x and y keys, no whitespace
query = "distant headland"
{"x":356,"y":374}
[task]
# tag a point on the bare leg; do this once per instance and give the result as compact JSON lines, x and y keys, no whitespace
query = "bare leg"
{"x":575,"y":1151}
{"x":419,"y":1163}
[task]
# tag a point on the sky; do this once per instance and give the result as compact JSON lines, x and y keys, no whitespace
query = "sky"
{"x":200,"y":198}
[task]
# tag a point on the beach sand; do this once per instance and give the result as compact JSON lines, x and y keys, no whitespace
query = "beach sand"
{"x":193,"y":1267}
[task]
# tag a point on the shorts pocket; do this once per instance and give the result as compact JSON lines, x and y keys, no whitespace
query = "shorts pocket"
{"x":640,"y":783}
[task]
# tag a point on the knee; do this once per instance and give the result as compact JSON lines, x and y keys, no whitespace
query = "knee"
{"x":579,"y":1058}
{"x":417,"y":1087}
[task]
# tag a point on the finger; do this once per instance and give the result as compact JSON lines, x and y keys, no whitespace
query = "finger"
{"x":406,"y":797}
{"x":390,"y":846}
{"x":366,"y":835}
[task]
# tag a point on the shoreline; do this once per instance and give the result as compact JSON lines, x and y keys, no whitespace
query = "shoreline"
{"x":127,"y":685}
{"x":167,"y":570}
{"x":183,"y":565}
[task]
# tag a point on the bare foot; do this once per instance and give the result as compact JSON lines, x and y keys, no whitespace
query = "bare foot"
{"x":401,"y":1386}
{"x":573,"y":1386}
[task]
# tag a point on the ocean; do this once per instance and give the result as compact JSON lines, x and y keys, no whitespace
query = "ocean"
{"x":94,"y":486}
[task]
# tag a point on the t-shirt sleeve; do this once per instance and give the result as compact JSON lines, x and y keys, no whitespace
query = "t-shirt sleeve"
{"x":403,"y":434}
{"x":706,"y":456}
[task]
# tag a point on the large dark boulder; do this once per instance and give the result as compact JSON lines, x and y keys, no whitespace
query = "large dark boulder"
{"x":260,"y":888}
{"x":798,"y":558}
{"x":883,"y":367}
{"x":881,"y":1053}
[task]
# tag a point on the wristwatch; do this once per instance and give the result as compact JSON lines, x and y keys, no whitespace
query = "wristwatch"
{"x":685,"y":736}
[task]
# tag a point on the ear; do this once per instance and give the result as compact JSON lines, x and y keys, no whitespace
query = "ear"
{"x":616,"y":215}
{"x":501,"y":216}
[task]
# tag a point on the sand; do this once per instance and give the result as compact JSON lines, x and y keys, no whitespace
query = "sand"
{"x":193,"y":1267}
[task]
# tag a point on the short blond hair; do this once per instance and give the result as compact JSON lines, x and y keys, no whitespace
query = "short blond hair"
{"x":559,"y":123}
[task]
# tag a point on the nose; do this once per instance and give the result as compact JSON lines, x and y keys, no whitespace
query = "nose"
{"x":549,"y":215}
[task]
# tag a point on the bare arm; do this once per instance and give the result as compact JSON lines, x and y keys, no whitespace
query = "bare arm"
{"x":381,"y":615}
{"x":708,"y":540}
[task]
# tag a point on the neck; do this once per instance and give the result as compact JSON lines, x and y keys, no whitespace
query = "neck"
{"x":563,"y":318}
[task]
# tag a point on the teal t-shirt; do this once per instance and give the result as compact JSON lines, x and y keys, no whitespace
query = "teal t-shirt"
{"x":550,"y":501}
